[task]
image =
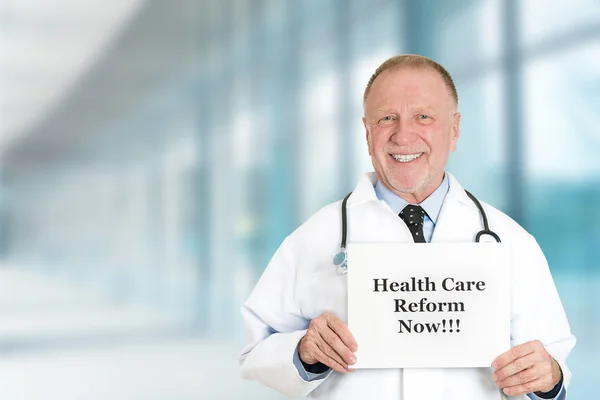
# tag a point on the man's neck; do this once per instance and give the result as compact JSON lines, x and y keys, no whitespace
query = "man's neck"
{"x":432,"y":204}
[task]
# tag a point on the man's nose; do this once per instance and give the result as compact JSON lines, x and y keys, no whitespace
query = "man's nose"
{"x":404,"y":132}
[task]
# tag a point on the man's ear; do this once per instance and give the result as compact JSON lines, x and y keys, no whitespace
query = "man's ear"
{"x":455,"y":131}
{"x":367,"y":134}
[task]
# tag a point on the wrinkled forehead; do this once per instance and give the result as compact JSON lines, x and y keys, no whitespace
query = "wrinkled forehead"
{"x":408,"y":88}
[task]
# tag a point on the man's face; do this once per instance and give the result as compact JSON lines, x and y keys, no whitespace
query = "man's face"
{"x":412,"y":125}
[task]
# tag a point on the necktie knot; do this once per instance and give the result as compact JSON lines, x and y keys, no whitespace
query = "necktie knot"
{"x":413,"y":217}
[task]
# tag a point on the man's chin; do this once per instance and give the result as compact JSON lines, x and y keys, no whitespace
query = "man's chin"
{"x":407,"y":186}
{"x":405,"y":189}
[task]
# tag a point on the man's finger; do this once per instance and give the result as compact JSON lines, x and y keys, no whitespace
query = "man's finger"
{"x":330,"y":362}
{"x":336,"y":343}
{"x":330,"y":352}
{"x":343,"y":332}
{"x":522,"y":377}
{"x":511,"y":355}
{"x":524,"y":388}
{"x":515,"y":367}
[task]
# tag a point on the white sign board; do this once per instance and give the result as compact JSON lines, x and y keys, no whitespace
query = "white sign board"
{"x":435,"y":305}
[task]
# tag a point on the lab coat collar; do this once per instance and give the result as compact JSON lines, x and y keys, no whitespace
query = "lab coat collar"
{"x":457,"y":209}
{"x":364,"y":191}
{"x":457,"y":193}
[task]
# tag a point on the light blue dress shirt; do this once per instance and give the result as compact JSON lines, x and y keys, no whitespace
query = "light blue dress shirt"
{"x":432,"y":206}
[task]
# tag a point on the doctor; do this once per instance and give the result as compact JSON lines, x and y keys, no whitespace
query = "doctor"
{"x":295,"y":318}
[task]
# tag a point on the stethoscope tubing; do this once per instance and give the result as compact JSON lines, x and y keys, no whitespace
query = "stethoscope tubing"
{"x":341,"y":262}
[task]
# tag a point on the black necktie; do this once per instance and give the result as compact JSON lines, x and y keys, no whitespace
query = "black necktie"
{"x":413,"y":218}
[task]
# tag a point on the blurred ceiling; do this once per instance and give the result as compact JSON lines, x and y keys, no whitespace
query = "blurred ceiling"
{"x":45,"y":48}
{"x":82,"y":73}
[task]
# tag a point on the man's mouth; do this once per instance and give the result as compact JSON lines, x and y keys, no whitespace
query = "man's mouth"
{"x":406,"y":157}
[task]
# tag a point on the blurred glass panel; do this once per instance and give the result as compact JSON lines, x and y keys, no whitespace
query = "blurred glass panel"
{"x":563,"y":167}
{"x":376,"y":25}
{"x":563,"y":189}
{"x":482,"y":139}
{"x":540,"y":20}
{"x":562,"y":98}
{"x":461,"y":35}
{"x":320,"y":144}
{"x":319,"y":107}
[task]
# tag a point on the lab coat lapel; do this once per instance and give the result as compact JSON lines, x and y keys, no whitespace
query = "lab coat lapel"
{"x":364,"y":190}
{"x":372,"y":219}
{"x":457,"y":210}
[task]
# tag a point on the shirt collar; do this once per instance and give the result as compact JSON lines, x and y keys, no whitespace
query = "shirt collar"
{"x":432,"y":204}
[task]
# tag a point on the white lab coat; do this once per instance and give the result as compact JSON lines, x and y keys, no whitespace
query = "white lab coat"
{"x":300,"y":283}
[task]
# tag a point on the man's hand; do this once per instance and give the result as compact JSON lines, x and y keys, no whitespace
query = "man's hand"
{"x":328,"y":341}
{"x":526,"y":368}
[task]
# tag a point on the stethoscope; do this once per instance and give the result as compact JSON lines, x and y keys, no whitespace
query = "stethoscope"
{"x":341,"y":258}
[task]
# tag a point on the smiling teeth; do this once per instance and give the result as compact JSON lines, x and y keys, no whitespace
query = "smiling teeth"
{"x":406,"y":157}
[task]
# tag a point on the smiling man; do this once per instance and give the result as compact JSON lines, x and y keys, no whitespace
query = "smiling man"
{"x":296,"y":317}
{"x":412,"y":123}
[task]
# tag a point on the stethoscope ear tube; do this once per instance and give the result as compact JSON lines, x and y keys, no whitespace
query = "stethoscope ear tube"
{"x":344,"y":220}
{"x":486,"y":229}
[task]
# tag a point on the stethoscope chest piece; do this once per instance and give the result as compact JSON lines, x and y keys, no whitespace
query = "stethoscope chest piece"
{"x":340,"y":260}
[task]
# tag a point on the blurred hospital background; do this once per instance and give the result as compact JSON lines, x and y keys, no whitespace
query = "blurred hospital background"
{"x":154,"y":154}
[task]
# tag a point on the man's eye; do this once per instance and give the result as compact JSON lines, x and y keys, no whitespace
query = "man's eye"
{"x":387,"y":119}
{"x":424,"y":117}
